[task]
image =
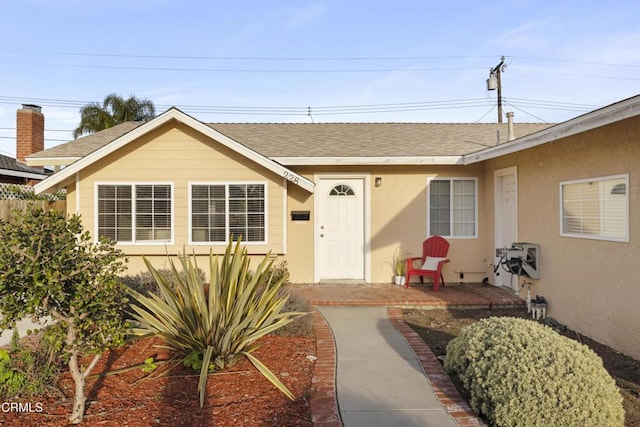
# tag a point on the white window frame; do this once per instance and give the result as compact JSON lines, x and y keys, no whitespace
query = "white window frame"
{"x":133,"y":184}
{"x":475,"y":210}
{"x":226,"y":185}
{"x":625,"y":177}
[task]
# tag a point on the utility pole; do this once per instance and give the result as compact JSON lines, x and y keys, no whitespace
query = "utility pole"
{"x":493,"y":83}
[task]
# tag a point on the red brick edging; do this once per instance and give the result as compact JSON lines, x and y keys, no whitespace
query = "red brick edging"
{"x":323,"y":402}
{"x":441,"y":384}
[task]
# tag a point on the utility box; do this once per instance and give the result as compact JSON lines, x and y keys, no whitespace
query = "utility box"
{"x":492,"y":83}
{"x":521,"y":258}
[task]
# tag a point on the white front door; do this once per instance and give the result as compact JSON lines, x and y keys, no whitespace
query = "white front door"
{"x":339,"y":229}
{"x":506,"y":217}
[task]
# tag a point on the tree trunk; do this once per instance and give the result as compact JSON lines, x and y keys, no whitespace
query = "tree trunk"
{"x":79,"y":398}
{"x":79,"y":377}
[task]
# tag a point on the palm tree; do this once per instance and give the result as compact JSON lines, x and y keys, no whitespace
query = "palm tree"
{"x":114,"y":110}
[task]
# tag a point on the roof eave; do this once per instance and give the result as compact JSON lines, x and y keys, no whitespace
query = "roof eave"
{"x":354,"y":161}
{"x":21,"y":174}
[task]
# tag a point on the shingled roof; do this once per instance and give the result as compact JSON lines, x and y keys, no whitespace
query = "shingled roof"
{"x":87,"y":144}
{"x":11,"y":167}
{"x":282,"y":140}
{"x":369,"y":139}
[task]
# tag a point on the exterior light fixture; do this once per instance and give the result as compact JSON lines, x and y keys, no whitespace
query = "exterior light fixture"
{"x":378,"y":181}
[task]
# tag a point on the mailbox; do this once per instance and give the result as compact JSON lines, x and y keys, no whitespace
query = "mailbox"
{"x":300,"y":215}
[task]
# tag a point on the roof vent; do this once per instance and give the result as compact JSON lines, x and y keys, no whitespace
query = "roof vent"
{"x":510,"y":132}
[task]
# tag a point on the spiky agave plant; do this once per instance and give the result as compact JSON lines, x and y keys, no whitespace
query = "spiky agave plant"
{"x":220,"y":326}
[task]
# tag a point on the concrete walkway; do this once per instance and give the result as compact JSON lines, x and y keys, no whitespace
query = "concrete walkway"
{"x":379,"y":381}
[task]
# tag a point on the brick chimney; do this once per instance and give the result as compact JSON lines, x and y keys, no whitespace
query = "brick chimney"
{"x":30,"y":131}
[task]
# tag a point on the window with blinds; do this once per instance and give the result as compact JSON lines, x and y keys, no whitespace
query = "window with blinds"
{"x":453,"y":207}
{"x":153,"y":213}
{"x":223,"y":212}
{"x":596,"y":208}
{"x":115,"y":212}
{"x":135,"y":212}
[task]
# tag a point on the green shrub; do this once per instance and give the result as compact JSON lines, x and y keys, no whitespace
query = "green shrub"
{"x":145,"y":284}
{"x":214,"y":327}
{"x":26,"y":369}
{"x":521,"y":373}
{"x":300,"y":326}
{"x":51,"y":266}
{"x":279,"y":272}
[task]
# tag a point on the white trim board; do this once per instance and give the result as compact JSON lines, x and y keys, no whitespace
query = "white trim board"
{"x":396,"y":160}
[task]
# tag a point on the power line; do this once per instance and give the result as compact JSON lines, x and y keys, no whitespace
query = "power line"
{"x":591,"y":76}
{"x":46,"y":139}
{"x":551,"y":105}
{"x":529,"y":114}
{"x":485,"y":114}
{"x":241,"y":70}
{"x":577,"y":62}
{"x":46,"y":130}
{"x":310,"y":58}
{"x":246,"y":58}
{"x":324,"y":110}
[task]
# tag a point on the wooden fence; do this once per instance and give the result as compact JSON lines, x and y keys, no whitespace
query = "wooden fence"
{"x":6,"y":206}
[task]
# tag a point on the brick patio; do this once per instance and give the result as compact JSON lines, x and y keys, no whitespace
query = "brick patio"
{"x":453,"y":295}
{"x":324,"y":405}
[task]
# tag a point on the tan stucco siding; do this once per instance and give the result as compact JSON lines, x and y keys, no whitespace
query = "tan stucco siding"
{"x":178,"y":155}
{"x":398,"y":219}
{"x":591,"y":285}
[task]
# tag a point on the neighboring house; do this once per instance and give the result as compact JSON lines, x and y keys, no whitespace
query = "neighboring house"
{"x":336,"y":200}
{"x":14,"y":172}
{"x":29,"y":139}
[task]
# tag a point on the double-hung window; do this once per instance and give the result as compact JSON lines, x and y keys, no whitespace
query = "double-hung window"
{"x":135,"y":213}
{"x":225,"y":211}
{"x":453,"y":207}
{"x":596,"y":208}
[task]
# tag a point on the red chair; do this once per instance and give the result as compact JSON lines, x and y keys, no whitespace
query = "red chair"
{"x":434,"y":257}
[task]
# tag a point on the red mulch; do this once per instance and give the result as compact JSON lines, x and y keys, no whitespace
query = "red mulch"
{"x":239,"y":396}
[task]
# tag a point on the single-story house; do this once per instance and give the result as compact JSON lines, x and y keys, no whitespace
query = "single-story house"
{"x":337,"y":199}
{"x":14,"y":172}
